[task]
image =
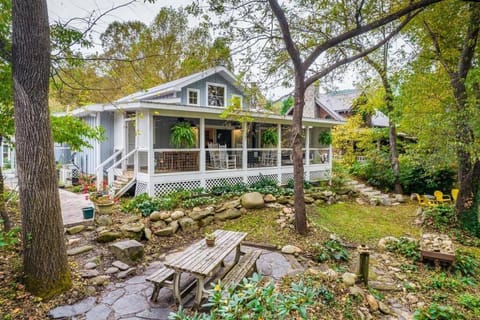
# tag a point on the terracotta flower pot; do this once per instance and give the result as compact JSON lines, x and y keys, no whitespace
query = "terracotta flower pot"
{"x":210,"y":242}
{"x":105,"y":208}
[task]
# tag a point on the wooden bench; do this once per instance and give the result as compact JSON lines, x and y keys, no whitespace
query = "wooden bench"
{"x":245,"y":267}
{"x":161,"y":278}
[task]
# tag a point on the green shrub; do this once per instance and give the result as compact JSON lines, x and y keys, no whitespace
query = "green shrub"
{"x":470,"y":302}
{"x":331,"y":250}
{"x":198,"y":201}
{"x":440,"y":217}
{"x":416,"y":179}
{"x":438,"y":312}
{"x":145,"y":204}
{"x":405,"y":247}
{"x":466,"y":264}
{"x":9,"y":238}
{"x":253,"y":300}
{"x":444,"y":281}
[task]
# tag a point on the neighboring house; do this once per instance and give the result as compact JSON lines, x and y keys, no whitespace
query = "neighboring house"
{"x":139,"y":148}
{"x":341,"y":102}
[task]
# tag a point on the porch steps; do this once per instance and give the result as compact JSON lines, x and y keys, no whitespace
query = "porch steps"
{"x":374,"y":196}
{"x":123,"y":183}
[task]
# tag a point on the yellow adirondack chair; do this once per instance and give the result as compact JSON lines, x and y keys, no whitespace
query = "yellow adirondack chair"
{"x":454,"y":194}
{"x":424,"y":201}
{"x":441,"y":198}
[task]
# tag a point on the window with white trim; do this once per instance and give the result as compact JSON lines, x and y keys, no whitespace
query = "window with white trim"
{"x":193,"y":96}
{"x":216,"y":95}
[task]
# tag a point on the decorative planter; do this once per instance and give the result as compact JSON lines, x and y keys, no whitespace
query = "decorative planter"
{"x":210,"y":242}
{"x":87,"y":213}
{"x":105,"y":208}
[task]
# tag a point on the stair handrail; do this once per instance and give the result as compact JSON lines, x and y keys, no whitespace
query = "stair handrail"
{"x":111,"y":177}
{"x":99,"y":168}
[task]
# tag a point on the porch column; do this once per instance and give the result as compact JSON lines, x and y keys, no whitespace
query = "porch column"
{"x":203,"y":155}
{"x":279,"y":153}
{"x":330,"y":161}
{"x":151,"y":155}
{"x":244,"y":152}
{"x":307,"y":153}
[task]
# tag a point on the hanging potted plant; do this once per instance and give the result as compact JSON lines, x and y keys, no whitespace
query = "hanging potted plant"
{"x":269,"y":137}
{"x":325,"y":138}
{"x":182,"y":135}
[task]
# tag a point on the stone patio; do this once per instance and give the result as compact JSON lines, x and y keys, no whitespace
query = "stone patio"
{"x":131,"y":299}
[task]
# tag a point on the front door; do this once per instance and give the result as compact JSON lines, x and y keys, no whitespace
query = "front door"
{"x":130,"y":139}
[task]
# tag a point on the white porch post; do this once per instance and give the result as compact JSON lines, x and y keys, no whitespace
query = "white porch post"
{"x":244,"y":152}
{"x":203,"y":154}
{"x":151,"y":155}
{"x":279,"y":152}
{"x":330,"y":161}
{"x":307,"y":153}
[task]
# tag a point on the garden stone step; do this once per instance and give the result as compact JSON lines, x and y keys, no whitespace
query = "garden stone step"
{"x":366,"y":189}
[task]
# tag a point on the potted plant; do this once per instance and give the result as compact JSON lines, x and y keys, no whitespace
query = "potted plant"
{"x":210,"y":239}
{"x":325,"y":138}
{"x":182,"y":135}
{"x":270,"y":137}
{"x":104,"y":204}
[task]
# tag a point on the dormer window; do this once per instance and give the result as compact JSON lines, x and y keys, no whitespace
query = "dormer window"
{"x":216,"y":95}
{"x":193,"y":96}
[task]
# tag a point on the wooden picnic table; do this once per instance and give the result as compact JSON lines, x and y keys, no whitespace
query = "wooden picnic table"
{"x":201,"y":261}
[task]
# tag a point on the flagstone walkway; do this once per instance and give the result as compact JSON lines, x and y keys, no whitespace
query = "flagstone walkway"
{"x":131,"y":299}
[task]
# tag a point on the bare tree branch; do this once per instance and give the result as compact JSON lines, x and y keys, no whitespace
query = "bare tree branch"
{"x":287,"y":37}
{"x":366,"y":52}
{"x":363,"y":29}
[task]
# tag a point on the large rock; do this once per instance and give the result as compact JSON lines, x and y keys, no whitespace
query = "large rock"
{"x":133,"y":230}
{"x":103,"y":220}
{"x":228,"y":214}
{"x":290,"y":249}
{"x":108,"y":236}
{"x":158,"y":225}
{"x":199,"y":214}
{"x":177,"y":214}
{"x":308,"y":200}
{"x":76,"y":229}
{"x":168,"y":231}
{"x":252,"y":200}
{"x":188,"y":224}
{"x":269,"y":198}
{"x":349,"y":278}
{"x":79,"y":250}
{"x":128,"y":251}
{"x":156,"y":216}
{"x":228,"y":205}
{"x":206,"y":221}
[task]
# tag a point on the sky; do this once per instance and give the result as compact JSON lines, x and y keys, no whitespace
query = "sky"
{"x":65,"y":10}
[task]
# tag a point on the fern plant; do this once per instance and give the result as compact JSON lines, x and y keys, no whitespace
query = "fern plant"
{"x":182,"y":135}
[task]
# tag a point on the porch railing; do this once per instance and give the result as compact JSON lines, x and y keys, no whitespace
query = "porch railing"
{"x":120,"y":166}
{"x":99,"y":170}
{"x":186,"y":160}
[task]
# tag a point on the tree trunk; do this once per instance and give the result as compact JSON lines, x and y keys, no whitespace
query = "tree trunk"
{"x":392,"y":138}
{"x":297,"y":145}
{"x":392,"y":129}
{"x":3,"y":207}
{"x":44,"y":255}
{"x":468,"y":171}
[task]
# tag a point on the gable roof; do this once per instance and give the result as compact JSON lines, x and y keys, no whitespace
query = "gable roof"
{"x":339,"y":101}
{"x":177,"y":85}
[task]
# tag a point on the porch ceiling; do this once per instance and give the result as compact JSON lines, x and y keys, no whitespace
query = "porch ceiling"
{"x":175,"y":110}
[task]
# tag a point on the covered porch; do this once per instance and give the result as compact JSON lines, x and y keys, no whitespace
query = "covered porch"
{"x":221,"y":152}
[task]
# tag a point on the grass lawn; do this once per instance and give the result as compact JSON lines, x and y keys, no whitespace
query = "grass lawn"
{"x":367,"y":224}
